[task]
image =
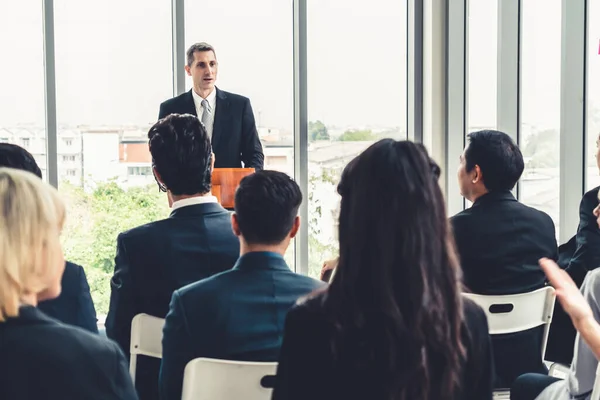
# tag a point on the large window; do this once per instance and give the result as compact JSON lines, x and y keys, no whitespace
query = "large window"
{"x":482,"y":64}
{"x":113,"y":69}
{"x":593,"y":93}
{"x":356,"y":95}
{"x":22,"y":77}
{"x":540,"y":105}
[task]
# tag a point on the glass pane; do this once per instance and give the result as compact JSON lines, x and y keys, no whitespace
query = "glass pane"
{"x":253,"y":42}
{"x":482,"y":65}
{"x":593,"y":93}
{"x":540,"y":105}
{"x":356,"y":95}
{"x":22,"y":77}
{"x":113,"y":69}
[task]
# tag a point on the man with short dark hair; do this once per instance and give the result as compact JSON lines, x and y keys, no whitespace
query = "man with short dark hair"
{"x":74,"y":306}
{"x":500,"y":241}
{"x":228,"y":117}
{"x":239,"y":314}
{"x":193,"y":243}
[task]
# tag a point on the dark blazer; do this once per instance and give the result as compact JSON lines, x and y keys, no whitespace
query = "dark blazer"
{"x":308,"y":368}
{"x":74,"y":306}
{"x":500,"y":241}
{"x":41,"y":358}
{"x":235,"y":315}
{"x":153,"y":260}
{"x":234,"y":138}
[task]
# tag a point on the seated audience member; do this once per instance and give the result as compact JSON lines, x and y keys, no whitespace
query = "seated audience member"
{"x":239,"y":314}
{"x":578,"y":256}
{"x":581,"y":377}
{"x":193,"y":243}
{"x":393,"y":323}
{"x":41,"y":358}
{"x":74,"y":305}
{"x":500,"y":241}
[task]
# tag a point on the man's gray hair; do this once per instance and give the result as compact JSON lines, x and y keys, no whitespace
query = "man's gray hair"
{"x":201,"y":46}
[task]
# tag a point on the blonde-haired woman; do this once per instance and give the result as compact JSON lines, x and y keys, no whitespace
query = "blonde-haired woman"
{"x":39,"y":356}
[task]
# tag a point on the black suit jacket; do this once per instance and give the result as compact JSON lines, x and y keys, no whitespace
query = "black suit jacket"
{"x":500,"y":241}
{"x":154,"y":260}
{"x":74,"y":306}
{"x":235,"y":315}
{"x":309,"y":368}
{"x":41,"y":358}
{"x":234,"y":138}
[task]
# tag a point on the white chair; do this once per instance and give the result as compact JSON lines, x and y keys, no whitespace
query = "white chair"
{"x":146,"y":339}
{"x":210,"y":379}
{"x":516,"y":313}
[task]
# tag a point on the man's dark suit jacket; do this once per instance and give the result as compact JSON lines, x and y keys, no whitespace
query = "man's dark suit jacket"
{"x":500,"y":241}
{"x":578,"y":256}
{"x":235,"y":315}
{"x":74,"y":306}
{"x":234,"y":138}
{"x":153,"y":260}
{"x":42,"y":358}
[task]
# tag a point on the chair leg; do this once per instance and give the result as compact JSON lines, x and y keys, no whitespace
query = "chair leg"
{"x":132,"y":366}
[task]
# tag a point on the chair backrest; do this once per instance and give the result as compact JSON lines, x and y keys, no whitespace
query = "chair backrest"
{"x":146,"y":339}
{"x":596,"y":391}
{"x":209,"y":379}
{"x":518,"y":312}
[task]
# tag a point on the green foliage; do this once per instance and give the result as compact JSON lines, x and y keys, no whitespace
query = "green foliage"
{"x":94,"y":221}
{"x":317,"y":131}
{"x":357,"y":135}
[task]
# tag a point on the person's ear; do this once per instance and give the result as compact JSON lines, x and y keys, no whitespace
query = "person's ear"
{"x":235,"y":226}
{"x":188,"y":70}
{"x":477,"y":175}
{"x":295,"y":227}
{"x":212,"y":161}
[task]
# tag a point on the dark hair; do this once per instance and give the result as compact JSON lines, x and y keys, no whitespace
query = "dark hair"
{"x":181,"y":154}
{"x":13,"y":156}
{"x":266,"y":204}
{"x":201,"y":46}
{"x":498,"y":157}
{"x":395,"y":299}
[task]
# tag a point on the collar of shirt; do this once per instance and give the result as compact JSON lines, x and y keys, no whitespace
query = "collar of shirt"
{"x":192,"y":201}
{"x":211,"y":98}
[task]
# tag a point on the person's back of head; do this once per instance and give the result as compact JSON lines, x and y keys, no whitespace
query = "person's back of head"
{"x":266,"y":211}
{"x":13,"y":156}
{"x":181,"y":155}
{"x":31,"y":260}
{"x":397,"y":286}
{"x":491,"y":162}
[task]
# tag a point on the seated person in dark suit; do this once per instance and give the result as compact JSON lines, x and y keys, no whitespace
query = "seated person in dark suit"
{"x":578,"y":256}
{"x":239,"y":314}
{"x":40,"y":357}
{"x":193,"y":243}
{"x":393,"y":323}
{"x":500,"y":241}
{"x":74,"y":305}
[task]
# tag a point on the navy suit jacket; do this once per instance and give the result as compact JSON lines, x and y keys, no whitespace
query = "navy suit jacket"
{"x":235,"y":315}
{"x":41,"y":358}
{"x":500,"y":242}
{"x":153,"y":260}
{"x":234,"y":138}
{"x":74,"y":306}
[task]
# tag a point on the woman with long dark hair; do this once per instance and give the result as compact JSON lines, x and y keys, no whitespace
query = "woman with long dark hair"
{"x":392,"y":324}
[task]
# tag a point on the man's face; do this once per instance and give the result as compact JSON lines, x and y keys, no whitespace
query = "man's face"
{"x":464,"y":178}
{"x":203,"y":70}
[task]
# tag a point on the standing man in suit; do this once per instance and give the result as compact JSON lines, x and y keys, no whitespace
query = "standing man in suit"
{"x":239,"y":314}
{"x":228,"y":117}
{"x":500,"y":241}
{"x":193,"y":243}
{"x":74,"y":305}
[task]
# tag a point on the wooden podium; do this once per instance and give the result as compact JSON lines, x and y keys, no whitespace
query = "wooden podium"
{"x":224,"y":183}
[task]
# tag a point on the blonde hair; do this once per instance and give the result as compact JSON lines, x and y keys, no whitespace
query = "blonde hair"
{"x":31,"y":216}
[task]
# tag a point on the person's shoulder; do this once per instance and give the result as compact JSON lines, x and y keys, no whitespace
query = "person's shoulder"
{"x":536,"y":214}
{"x":307,"y":281}
{"x":207,"y":287}
{"x":233,"y":97}
{"x":590,"y":198}
{"x":175,"y":100}
{"x":144,"y":230}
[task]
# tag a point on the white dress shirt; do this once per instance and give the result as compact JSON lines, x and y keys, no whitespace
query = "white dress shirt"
{"x":191,"y":201}
{"x":212,"y":103}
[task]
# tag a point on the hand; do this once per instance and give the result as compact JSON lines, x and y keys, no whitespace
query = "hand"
{"x":566,"y":291}
{"x":328,"y":266}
